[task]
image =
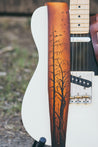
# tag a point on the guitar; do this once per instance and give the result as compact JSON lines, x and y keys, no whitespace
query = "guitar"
{"x":82,"y":126}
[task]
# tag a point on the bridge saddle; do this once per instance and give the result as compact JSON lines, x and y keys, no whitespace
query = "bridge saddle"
{"x":81,"y":93}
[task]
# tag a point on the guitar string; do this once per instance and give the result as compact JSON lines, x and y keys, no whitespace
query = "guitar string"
{"x":84,"y":55}
{"x":76,"y":54}
{"x":76,"y":63}
{"x":82,"y":52}
{"x":85,"y":63}
{"x":72,"y":54}
{"x":71,"y":63}
{"x":87,"y":54}
{"x":80,"y":55}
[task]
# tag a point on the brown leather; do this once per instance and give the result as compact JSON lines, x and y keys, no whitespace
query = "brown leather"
{"x":94,"y":33}
{"x":58,"y":70}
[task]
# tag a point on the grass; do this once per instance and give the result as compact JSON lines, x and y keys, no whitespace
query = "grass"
{"x":19,"y":66}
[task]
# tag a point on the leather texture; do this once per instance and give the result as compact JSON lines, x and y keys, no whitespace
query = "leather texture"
{"x":58,"y":70}
{"x":94,"y":33}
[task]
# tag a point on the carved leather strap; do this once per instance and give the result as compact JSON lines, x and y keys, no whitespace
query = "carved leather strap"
{"x":94,"y":33}
{"x":58,"y":70}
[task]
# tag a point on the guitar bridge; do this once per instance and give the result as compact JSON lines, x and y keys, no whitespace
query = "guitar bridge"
{"x":81,"y":87}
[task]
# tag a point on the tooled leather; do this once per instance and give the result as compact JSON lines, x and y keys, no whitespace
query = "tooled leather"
{"x":94,"y":33}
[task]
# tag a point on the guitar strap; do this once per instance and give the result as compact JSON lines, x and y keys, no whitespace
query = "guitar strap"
{"x":94,"y":33}
{"x":58,"y":70}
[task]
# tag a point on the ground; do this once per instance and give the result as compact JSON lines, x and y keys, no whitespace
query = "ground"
{"x":16,"y":69}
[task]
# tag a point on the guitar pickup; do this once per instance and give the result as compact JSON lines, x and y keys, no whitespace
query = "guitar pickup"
{"x":81,"y":92}
{"x":80,"y":39}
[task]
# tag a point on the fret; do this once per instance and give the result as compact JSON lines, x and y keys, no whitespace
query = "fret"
{"x":79,"y":16}
{"x":80,"y":25}
{"x":79,"y":1}
{"x":77,"y":30}
{"x":76,"y":6}
{"x":81,"y":21}
{"x":75,"y":16}
{"x":79,"y":12}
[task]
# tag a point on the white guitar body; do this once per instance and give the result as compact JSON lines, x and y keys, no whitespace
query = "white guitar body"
{"x":82,"y":128}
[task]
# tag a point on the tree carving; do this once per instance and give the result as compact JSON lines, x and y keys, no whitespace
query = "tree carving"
{"x":58,"y":72}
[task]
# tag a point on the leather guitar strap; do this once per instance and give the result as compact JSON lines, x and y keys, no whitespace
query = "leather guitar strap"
{"x":94,"y":33}
{"x":58,"y":70}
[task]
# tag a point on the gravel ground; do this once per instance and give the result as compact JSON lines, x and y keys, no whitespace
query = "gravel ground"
{"x":14,"y":32}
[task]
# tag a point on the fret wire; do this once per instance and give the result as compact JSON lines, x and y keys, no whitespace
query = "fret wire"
{"x":75,"y":11}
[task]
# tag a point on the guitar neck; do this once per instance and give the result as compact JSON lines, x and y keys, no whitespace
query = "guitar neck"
{"x":79,"y":16}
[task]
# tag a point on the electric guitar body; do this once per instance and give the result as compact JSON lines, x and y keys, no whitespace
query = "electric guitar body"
{"x":82,"y":125}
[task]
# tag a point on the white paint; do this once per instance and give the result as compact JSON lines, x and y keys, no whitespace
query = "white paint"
{"x":35,"y":112}
{"x":82,"y":130}
{"x":80,"y":39}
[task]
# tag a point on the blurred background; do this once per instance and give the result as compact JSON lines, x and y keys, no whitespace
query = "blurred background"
{"x":18,"y":60}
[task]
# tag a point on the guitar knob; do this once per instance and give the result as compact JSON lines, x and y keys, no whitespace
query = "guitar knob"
{"x":41,"y":142}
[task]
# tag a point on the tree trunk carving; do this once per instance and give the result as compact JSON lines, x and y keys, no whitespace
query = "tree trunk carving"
{"x":58,"y":70}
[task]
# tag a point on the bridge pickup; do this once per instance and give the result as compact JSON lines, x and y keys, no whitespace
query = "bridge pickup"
{"x":81,"y":87}
{"x":82,"y":82}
